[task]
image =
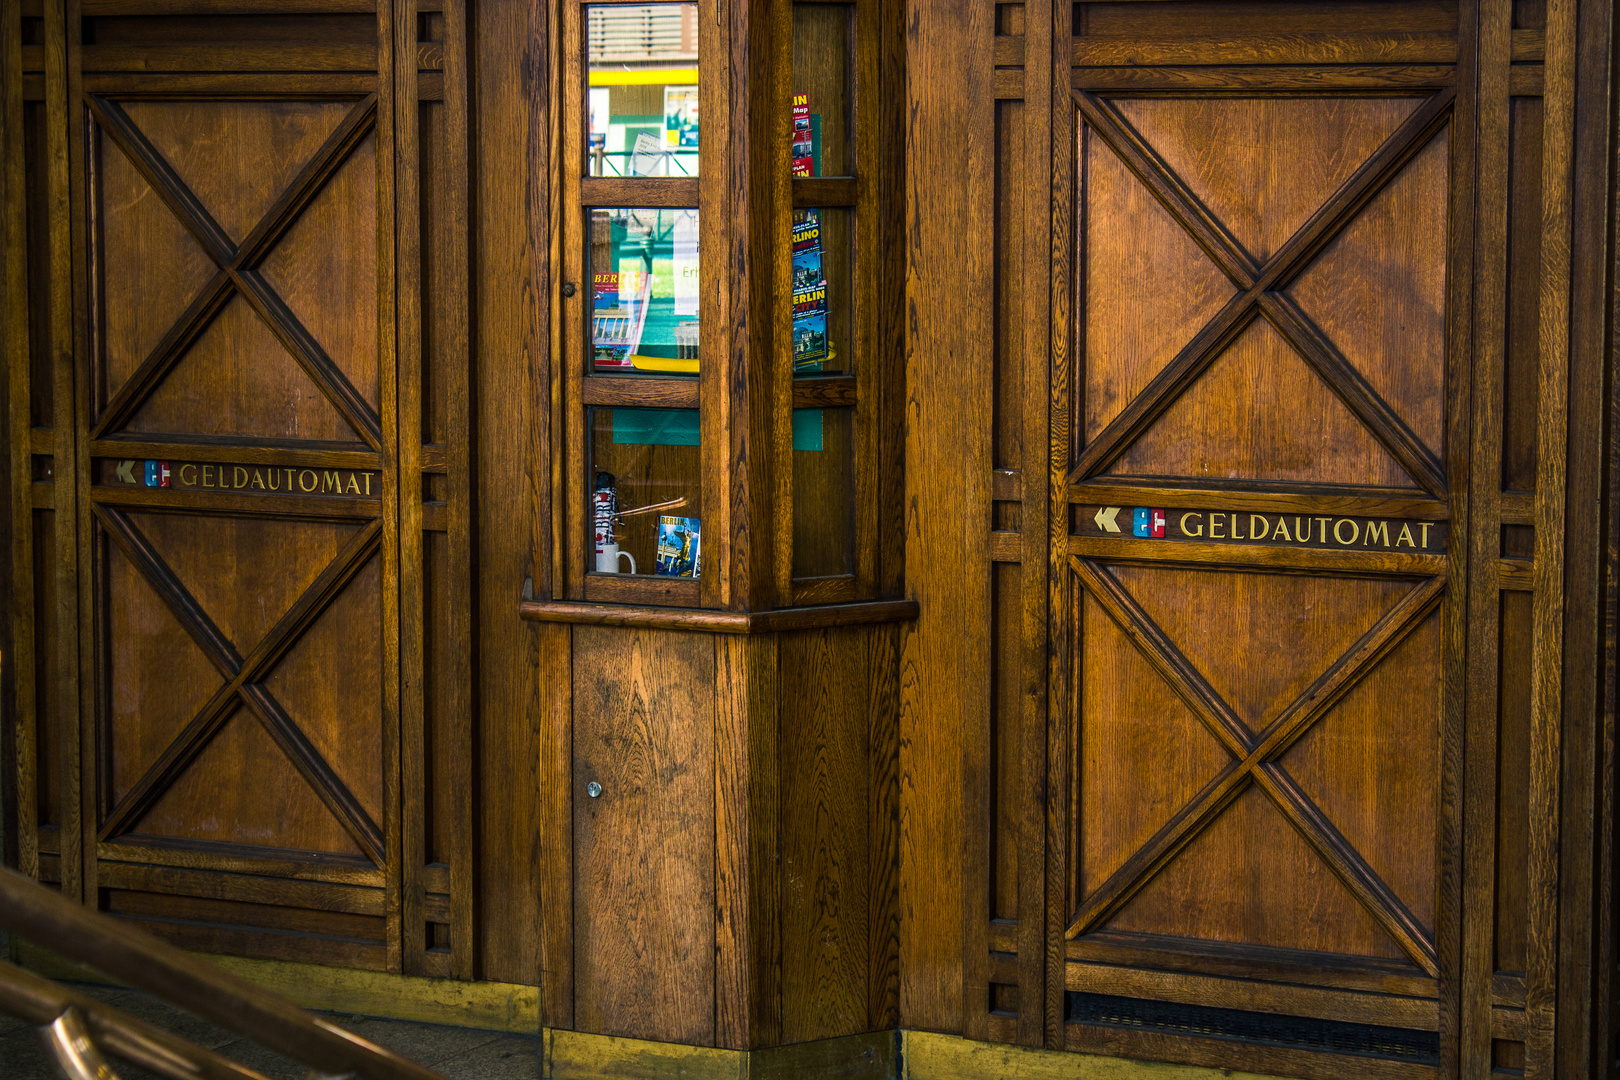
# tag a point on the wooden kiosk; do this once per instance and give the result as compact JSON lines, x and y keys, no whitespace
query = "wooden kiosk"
{"x":829,"y":537}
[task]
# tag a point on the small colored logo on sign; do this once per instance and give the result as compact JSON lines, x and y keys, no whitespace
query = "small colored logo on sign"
{"x":157,"y":474}
{"x":1147,"y":521}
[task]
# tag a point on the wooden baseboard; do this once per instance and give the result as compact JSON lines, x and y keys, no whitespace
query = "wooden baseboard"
{"x":572,"y":1055}
{"x":491,"y":1006}
{"x":931,"y":1056}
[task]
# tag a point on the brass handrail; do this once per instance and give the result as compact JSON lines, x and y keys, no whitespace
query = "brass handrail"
{"x":200,"y":988}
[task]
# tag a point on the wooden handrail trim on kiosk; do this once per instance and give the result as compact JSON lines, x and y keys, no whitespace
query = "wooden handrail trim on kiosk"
{"x":717,"y":622}
{"x":195,"y":985}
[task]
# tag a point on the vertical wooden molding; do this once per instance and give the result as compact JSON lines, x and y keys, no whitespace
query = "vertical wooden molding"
{"x":458,"y":483}
{"x":20,"y":710}
{"x":388,"y":414}
{"x":546,"y":232}
{"x":891,"y":181}
{"x":1059,"y":227}
{"x":574,"y":345}
{"x":748,"y":954}
{"x":945,"y":682}
{"x":1547,"y":660}
{"x":1477,"y":339}
{"x":1039,"y":1014}
{"x":723,"y":326}
{"x":59,"y":54}
{"x":1582,"y":922}
{"x":407,"y":439}
{"x":556,"y":826}
{"x":867,"y":297}
{"x":883,"y":748}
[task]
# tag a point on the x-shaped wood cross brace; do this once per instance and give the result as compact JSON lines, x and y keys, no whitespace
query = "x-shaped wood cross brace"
{"x":1260,"y":290}
{"x":238,"y":269}
{"x":1255,"y":760}
{"x":243,"y":681}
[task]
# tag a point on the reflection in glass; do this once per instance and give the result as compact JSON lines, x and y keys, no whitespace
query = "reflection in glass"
{"x":644,"y":290}
{"x":645,"y":492}
{"x":643,"y":101}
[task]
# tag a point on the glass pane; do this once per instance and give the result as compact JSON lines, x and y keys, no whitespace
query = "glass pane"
{"x":644,"y":291}
{"x":823,"y":291}
{"x":643,"y":93}
{"x":823,"y":492}
{"x":823,"y":43}
{"x":646,"y":492}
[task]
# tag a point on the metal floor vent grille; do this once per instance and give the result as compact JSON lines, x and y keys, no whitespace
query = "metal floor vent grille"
{"x":1299,"y":1032}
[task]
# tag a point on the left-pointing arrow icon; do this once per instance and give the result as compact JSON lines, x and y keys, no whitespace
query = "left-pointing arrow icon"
{"x":1105,"y":518}
{"x":124,"y":473}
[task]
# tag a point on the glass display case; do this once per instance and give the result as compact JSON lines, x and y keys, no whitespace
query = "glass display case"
{"x":722,"y":394}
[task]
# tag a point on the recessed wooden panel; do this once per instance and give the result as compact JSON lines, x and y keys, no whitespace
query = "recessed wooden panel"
{"x":1259,"y":639}
{"x":1250,"y":878}
{"x":331,"y":686}
{"x":1521,"y":390}
{"x":1260,"y":413}
{"x":158,"y":676}
{"x":1148,"y":287}
{"x":1513,"y":785}
{"x":1378,"y":292}
{"x":242,"y":790}
{"x":1372,"y":764}
{"x":152,"y":267}
{"x":244,"y":572}
{"x":1007,"y":417}
{"x":825,"y":901}
{"x":47,"y":696}
{"x":238,"y":379}
{"x":1006,"y":735}
{"x":325,"y":268}
{"x":1263,"y":166}
{"x":644,"y":850}
{"x":237,"y":156}
{"x":1142,"y":755}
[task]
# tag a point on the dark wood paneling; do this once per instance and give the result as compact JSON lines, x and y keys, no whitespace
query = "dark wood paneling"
{"x":825,"y":872}
{"x":644,"y":850}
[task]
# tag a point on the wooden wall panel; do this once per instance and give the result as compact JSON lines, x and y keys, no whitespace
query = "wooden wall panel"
{"x":949,"y":363}
{"x":644,"y":850}
{"x":1007,"y":424}
{"x":510,"y":141}
{"x":1007,"y":739}
{"x":825,"y":794}
{"x":1519,"y":390}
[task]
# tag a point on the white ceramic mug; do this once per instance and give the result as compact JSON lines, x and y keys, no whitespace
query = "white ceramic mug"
{"x":607,"y":560}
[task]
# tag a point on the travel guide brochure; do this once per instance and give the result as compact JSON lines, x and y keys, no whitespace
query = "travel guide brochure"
{"x":803,"y":137}
{"x":679,"y":549}
{"x":809,"y":293}
{"x":616,"y":320}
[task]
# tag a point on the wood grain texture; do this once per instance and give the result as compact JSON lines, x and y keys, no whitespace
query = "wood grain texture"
{"x":510,"y":370}
{"x":19,"y":748}
{"x":644,"y":931}
{"x":824,"y":788}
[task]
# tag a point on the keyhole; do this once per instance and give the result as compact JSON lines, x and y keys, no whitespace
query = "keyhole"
{"x":593,"y":789}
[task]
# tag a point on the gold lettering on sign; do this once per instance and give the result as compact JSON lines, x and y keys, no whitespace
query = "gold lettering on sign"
{"x":1235,"y":535}
{"x":1378,"y":530}
{"x":1338,"y":532}
{"x":241,"y":477}
{"x":1425,"y":526}
{"x":207,"y":482}
{"x":313,"y":480}
{"x":1258,"y":532}
{"x":1188,"y":532}
{"x":258,"y":479}
{"x":1405,"y":537}
{"x":189,"y":481}
{"x":354,"y":487}
{"x":1321,"y":529}
{"x":331,"y":481}
{"x":1217,"y":521}
{"x":1282,"y":530}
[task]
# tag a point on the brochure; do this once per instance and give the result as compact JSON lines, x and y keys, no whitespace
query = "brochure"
{"x":679,"y":547}
{"x":809,"y":293}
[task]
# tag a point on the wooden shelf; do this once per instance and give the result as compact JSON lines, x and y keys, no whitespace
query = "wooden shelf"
{"x":587,"y":613}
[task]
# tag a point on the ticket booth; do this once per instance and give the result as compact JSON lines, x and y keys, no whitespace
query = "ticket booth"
{"x":829,"y":537}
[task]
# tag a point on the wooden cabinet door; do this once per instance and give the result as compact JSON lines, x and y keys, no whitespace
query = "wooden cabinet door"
{"x":260,"y":499}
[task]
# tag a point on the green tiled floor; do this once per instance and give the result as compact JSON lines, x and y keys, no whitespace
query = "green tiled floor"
{"x":459,"y":1053}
